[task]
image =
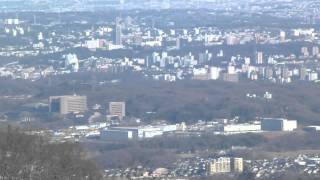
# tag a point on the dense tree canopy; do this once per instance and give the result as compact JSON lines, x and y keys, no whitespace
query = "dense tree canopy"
{"x":31,"y":157}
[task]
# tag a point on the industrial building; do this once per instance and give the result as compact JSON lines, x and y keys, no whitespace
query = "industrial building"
{"x":135,"y":133}
{"x":278,"y":124}
{"x":130,"y":133}
{"x":116,"y":134}
{"x":68,"y":104}
{"x":312,"y":128}
{"x":241,"y":128}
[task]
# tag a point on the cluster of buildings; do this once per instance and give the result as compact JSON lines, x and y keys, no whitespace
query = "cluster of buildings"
{"x":184,"y":168}
{"x":164,"y":54}
{"x":75,"y":104}
{"x":112,"y":128}
{"x":164,"y":51}
{"x":307,"y":164}
{"x":228,"y":127}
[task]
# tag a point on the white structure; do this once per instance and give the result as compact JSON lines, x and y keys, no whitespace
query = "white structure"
{"x":282,"y":36}
{"x":40,"y":36}
{"x":312,"y":76}
{"x":12,"y":21}
{"x":231,"y":69}
{"x":278,"y":124}
{"x":72,"y":62}
{"x":247,"y":60}
{"x":93,"y":44}
{"x":214,"y":73}
{"x":267,"y":95}
{"x":199,"y":71}
{"x":241,"y":128}
{"x":110,"y":46}
{"x":167,"y":128}
{"x":116,"y":135}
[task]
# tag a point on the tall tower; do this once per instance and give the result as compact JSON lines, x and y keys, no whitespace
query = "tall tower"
{"x":118,"y":32}
{"x":259,"y":57}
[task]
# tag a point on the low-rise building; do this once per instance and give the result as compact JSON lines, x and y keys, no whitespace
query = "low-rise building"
{"x":278,"y":124}
{"x":241,"y":128}
{"x":130,"y":133}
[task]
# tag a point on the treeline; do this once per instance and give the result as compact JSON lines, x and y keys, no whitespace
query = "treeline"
{"x":204,"y":142}
{"x":162,"y":152}
{"x":32,"y":157}
{"x":187,"y":101}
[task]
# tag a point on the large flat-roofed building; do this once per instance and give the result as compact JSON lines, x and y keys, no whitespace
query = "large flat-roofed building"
{"x":68,"y":104}
{"x":130,"y":133}
{"x":117,"y":109}
{"x":241,"y":128}
{"x":117,"y":135}
{"x":278,"y":124}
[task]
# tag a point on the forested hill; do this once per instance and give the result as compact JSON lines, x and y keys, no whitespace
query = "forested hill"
{"x":31,"y":157}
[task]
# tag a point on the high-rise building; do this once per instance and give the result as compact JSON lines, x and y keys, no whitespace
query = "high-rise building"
{"x":118,"y":32}
{"x":221,"y":165}
{"x":214,"y":73}
{"x":72,"y":62}
{"x":205,"y":57}
{"x":285,"y":72}
{"x":269,"y":73}
{"x":226,"y":165}
{"x":68,"y":104}
{"x":40,"y":36}
{"x":231,"y":69}
{"x":237,"y":165}
{"x":259,"y":57}
{"x":315,"y":50}
{"x":303,"y":73}
{"x":282,"y":36}
{"x":178,"y":43}
{"x":117,"y":109}
{"x":305,"y":51}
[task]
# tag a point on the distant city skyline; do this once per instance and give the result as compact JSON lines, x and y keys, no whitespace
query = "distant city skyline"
{"x":100,"y":5}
